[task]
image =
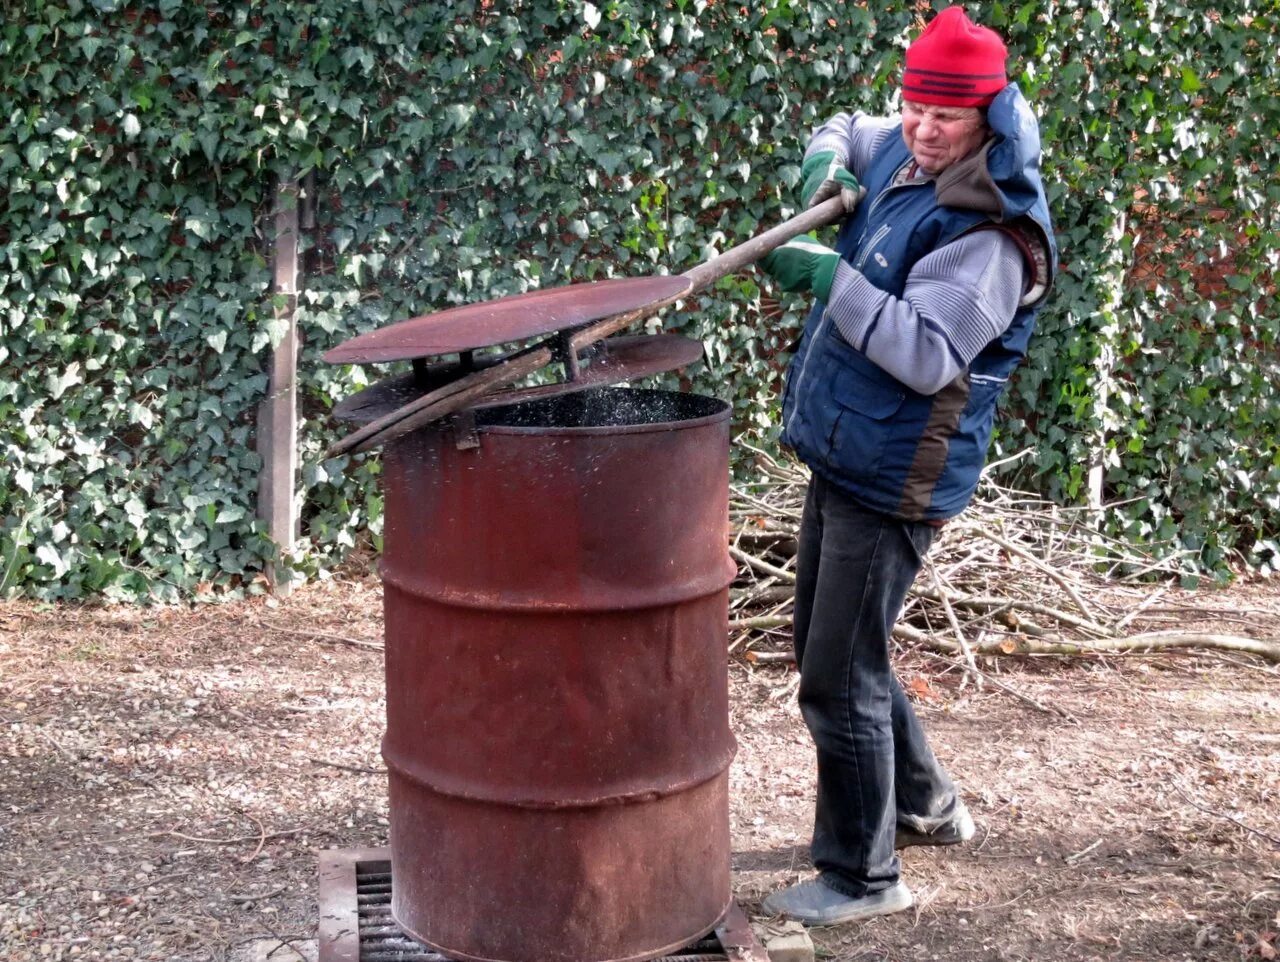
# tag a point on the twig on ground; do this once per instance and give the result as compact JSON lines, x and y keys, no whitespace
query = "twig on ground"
{"x":43,"y":734}
{"x":1144,"y":605}
{"x":1080,"y":855}
{"x":262,"y":836}
{"x":761,"y":565}
{"x":770,"y":657}
{"x":359,"y":770}
{"x":1230,"y":818}
{"x":1240,"y":663}
{"x":760,"y":624}
{"x":971,"y":665}
{"x":286,"y":940}
{"x":785,"y":692}
{"x":324,"y":636}
{"x":249,"y":899}
{"x":239,"y":839}
{"x":1008,"y":689}
{"x":1047,"y":570}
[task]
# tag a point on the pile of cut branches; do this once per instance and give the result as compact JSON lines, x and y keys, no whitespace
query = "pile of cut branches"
{"x":1014,"y":575}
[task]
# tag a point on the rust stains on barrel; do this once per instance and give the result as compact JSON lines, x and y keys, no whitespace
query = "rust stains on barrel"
{"x":557,"y":698}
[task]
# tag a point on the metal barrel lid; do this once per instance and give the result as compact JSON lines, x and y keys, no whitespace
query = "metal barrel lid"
{"x":507,"y":319}
{"x":615,"y":360}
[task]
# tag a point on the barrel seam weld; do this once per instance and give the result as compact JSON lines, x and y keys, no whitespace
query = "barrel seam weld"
{"x":624,"y":798}
{"x":416,"y":589}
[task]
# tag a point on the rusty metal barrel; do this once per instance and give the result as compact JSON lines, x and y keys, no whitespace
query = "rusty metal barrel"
{"x":556,"y":587}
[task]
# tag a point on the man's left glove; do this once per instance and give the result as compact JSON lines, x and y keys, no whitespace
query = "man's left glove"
{"x":825,"y":175}
{"x":802,"y":264}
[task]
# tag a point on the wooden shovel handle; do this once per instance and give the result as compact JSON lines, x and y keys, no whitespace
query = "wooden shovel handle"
{"x":748,"y":252}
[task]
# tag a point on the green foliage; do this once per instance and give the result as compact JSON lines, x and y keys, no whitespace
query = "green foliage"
{"x":469,"y":150}
{"x":1156,"y":360}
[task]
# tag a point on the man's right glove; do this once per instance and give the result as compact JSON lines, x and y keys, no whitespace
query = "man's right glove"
{"x":802,"y":264}
{"x":825,"y":175}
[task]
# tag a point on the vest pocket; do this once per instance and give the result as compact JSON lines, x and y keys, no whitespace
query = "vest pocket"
{"x":971,"y":437}
{"x":864,"y":417}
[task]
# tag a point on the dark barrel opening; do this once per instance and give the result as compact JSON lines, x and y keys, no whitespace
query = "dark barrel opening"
{"x":603,"y":407}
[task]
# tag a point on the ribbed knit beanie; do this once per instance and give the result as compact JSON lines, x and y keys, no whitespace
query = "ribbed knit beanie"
{"x":955,"y":63}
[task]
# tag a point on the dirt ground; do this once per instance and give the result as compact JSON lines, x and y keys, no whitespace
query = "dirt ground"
{"x":168,"y":776}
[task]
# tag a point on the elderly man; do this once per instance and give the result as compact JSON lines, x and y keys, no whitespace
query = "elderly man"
{"x":924,"y":307}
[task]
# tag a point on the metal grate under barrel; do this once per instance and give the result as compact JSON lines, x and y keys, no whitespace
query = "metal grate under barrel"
{"x":356,"y":887}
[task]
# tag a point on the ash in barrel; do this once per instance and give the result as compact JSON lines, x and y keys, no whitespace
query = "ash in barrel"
{"x":603,"y":407}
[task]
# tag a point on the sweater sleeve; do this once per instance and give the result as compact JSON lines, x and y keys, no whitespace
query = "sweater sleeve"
{"x":854,"y":138}
{"x":955,"y":301}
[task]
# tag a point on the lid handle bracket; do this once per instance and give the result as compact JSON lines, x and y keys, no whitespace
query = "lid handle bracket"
{"x":563,"y":352}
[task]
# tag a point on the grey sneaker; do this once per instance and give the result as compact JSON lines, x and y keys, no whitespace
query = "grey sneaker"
{"x":814,"y":903}
{"x":959,"y":829}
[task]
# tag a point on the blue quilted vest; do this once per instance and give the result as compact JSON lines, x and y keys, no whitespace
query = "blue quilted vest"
{"x":909,"y":455}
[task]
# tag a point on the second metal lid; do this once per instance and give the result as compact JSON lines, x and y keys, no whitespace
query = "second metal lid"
{"x":616,"y":359}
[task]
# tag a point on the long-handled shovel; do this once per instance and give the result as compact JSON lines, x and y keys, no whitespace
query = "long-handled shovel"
{"x":563,"y":307}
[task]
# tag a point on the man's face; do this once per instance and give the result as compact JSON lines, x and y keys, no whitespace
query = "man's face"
{"x":939,"y":136}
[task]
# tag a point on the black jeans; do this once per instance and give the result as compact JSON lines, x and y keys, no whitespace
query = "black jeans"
{"x":875,"y":768}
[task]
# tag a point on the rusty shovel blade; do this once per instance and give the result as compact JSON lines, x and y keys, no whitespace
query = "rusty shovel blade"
{"x":507,"y":319}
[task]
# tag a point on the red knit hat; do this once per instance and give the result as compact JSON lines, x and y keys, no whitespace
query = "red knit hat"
{"x":954,"y":62}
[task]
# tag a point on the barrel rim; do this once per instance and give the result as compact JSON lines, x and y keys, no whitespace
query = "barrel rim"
{"x":722,"y":413}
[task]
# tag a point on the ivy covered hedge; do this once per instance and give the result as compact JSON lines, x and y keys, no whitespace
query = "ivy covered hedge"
{"x":469,"y":150}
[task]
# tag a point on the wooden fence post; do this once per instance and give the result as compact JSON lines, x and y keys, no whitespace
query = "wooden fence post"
{"x":278,"y":413}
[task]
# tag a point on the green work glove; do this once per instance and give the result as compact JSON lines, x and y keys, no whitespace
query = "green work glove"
{"x":802,"y":264}
{"x":825,"y":176}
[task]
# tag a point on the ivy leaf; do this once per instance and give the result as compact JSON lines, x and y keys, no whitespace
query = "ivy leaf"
{"x":459,"y":115}
{"x":57,"y":383}
{"x":132,"y":128}
{"x":591,"y":15}
{"x":228,"y":514}
{"x":50,"y":555}
{"x":1190,"y":81}
{"x":202,"y":227}
{"x":36,"y":153}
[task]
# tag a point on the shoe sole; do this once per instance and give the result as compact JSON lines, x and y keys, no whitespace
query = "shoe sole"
{"x":951,"y":833}
{"x":903,"y":839}
{"x":860,"y":914}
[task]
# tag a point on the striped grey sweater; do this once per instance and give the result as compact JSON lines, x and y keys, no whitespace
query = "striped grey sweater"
{"x":956,"y":300}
